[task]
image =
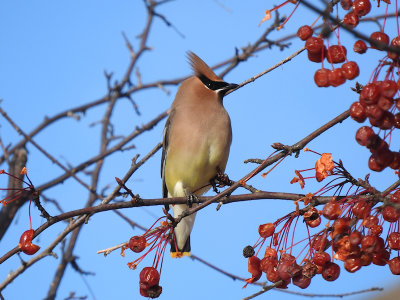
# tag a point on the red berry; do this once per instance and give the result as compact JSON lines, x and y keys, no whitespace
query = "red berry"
{"x":376,"y":229}
{"x":373,"y":164}
{"x":346,"y":4}
{"x":365,"y":136}
{"x":395,"y":197}
{"x":368,"y":243}
{"x":318,"y":56}
{"x":379,"y":37}
{"x":360,"y":47}
{"x":314,"y":44}
{"x":336,"y":77}
{"x":321,"y":77}
{"x":336,"y":54}
{"x":287,"y":267}
{"x":395,"y":43}
{"x":351,"y":19}
{"x":370,"y":93}
{"x":137,"y":243}
{"x":394,"y":265}
{"x":394,"y":240}
{"x":321,"y":258}
{"x":272,"y":275}
{"x":149,"y":276}
{"x":370,"y":221}
{"x":355,"y":238}
{"x":390,"y":214}
{"x":350,"y":70}
{"x":361,"y":7}
{"x":385,"y":103}
{"x":352,"y":263}
{"x":366,"y":258}
{"x":305,"y":32}
{"x":301,"y":281}
{"x":330,"y":271}
{"x":340,"y":225}
{"x":395,"y":164}
{"x":380,"y":258}
{"x":254,"y":269}
{"x":374,"y":112}
{"x":266,"y":230}
{"x":331,"y":210}
{"x":396,"y":121}
{"x":25,"y":243}
{"x":357,"y":112}
{"x":361,"y":209}
{"x":385,"y":123}
{"x":319,"y":243}
{"x":388,"y":88}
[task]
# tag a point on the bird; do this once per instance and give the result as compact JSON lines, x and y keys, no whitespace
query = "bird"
{"x":196,"y":144}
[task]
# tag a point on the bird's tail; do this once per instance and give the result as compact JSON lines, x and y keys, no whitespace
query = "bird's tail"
{"x":177,"y":253}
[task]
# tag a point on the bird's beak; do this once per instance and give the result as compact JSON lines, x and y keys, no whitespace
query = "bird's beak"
{"x":229,"y":87}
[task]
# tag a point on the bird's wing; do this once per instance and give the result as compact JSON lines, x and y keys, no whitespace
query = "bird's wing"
{"x":164,"y":152}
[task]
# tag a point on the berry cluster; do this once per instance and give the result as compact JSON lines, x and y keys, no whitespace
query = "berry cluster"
{"x":155,"y":239}
{"x":25,"y":242}
{"x":360,"y":229}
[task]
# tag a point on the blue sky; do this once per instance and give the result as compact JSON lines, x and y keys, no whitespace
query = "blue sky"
{"x":53,"y":57}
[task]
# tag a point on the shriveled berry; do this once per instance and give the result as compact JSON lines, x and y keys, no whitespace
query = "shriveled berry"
{"x":336,"y":77}
{"x":340,"y":225}
{"x":268,"y":262}
{"x":312,"y":218}
{"x":361,"y":7}
{"x":390,"y":214}
{"x":272,"y":275}
{"x":394,"y":240}
{"x":301,"y":281}
{"x":309,"y":269}
{"x":394,"y":265}
{"x":305,"y":32}
{"x":379,"y":37}
{"x":270,"y":252}
{"x":360,"y":47}
{"x":321,"y":77}
{"x":330,"y":271}
{"x":336,"y":54}
{"x":351,"y":19}
{"x":361,"y":209}
{"x":248,"y":251}
{"x":350,"y":70}
{"x":137,"y":243}
{"x":25,"y":243}
{"x":266,"y":230}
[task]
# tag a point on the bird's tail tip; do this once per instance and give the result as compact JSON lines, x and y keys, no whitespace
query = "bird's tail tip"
{"x":179,"y":254}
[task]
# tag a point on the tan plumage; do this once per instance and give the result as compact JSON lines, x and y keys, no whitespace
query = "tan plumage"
{"x":197,"y":139}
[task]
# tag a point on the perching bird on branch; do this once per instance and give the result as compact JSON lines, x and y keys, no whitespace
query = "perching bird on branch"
{"x":197,"y":139}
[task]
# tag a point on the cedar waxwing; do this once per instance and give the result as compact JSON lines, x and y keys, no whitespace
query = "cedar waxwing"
{"x":197,"y":138}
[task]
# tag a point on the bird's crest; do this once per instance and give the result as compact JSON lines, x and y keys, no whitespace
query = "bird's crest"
{"x":200,"y":67}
